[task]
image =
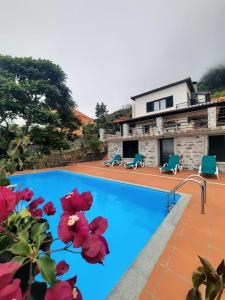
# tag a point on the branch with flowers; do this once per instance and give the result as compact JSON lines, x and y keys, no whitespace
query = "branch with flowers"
{"x":26,"y":240}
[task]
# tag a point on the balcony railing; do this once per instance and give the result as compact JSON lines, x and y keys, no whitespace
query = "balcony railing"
{"x":186,"y":123}
{"x":191,"y":102}
{"x":220,"y":116}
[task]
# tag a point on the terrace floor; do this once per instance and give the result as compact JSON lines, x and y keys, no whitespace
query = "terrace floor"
{"x":195,"y":234}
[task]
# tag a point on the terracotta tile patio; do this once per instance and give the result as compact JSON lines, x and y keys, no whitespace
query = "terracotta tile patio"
{"x":195,"y":234}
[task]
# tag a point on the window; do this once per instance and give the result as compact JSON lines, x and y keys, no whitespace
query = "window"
{"x":159,"y":104}
{"x":217,"y":147}
{"x":146,"y":128}
{"x":130,"y":148}
{"x":163,"y":104}
{"x":156,"y":105}
{"x":131,"y":127}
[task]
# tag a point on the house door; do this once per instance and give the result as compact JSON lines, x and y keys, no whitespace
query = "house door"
{"x":130,"y":148}
{"x":166,"y":149}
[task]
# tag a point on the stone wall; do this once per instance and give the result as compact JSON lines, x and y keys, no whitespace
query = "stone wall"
{"x":221,"y":167}
{"x":149,"y":148}
{"x":191,"y":150}
{"x":115,"y":147}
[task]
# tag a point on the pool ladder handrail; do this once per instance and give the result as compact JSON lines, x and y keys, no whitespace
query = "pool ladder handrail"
{"x":192,"y":178}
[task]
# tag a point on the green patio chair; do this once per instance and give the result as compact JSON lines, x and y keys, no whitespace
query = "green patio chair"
{"x":115,"y":161}
{"x":208,"y":166}
{"x":173,"y":165}
{"x":137,"y":162}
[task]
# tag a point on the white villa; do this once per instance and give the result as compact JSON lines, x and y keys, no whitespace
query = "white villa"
{"x":172,"y":119}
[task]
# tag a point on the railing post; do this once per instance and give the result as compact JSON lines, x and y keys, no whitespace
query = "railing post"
{"x":212,"y":117}
{"x":102,"y":133}
{"x":125,"y":130}
{"x":159,"y":124}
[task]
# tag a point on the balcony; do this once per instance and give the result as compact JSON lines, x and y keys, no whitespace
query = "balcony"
{"x":195,"y":122}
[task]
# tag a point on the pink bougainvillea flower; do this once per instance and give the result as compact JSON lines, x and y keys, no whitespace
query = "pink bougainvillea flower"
{"x":9,"y":288}
{"x":37,"y":213}
{"x":87,"y":201}
{"x":11,"y":291}
{"x":74,"y":202}
{"x":98,"y":225}
{"x":8,"y":202}
{"x":73,"y":228}
{"x":62,"y":290}
{"x":35,"y":203}
{"x":94,"y":249}
{"x":7,"y":271}
{"x":61,"y":268}
{"x":49,"y":209}
{"x":25,"y":194}
{"x":76,"y":294}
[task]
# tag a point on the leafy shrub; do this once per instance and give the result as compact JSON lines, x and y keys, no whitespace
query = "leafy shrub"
{"x":4,"y":182}
{"x":213,"y":279}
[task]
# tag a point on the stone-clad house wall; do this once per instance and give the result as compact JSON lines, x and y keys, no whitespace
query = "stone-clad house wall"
{"x":149,"y":148}
{"x":115,"y":147}
{"x":191,"y":149}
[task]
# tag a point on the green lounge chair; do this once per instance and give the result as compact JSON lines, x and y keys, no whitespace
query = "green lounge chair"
{"x":208,"y":166}
{"x":115,"y":161}
{"x":173,"y":165}
{"x":138,"y":161}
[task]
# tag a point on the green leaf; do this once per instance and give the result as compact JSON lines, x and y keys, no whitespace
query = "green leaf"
{"x":24,"y":213}
{"x":5,"y":242}
{"x":194,"y":295}
{"x":207,"y":266}
{"x":2,"y":163}
{"x":198,"y":279}
{"x":26,"y":223}
{"x":19,"y":259}
{"x":38,"y":228}
{"x":46,"y":243}
{"x":20,"y":248}
{"x":40,"y":239}
{"x":221,"y":268}
{"x":47,"y":269}
{"x":20,"y":163}
{"x":211,"y":290}
{"x":3,"y":174}
{"x":23,"y":235}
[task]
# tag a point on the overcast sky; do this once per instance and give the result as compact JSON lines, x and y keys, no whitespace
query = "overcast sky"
{"x":112,"y":50}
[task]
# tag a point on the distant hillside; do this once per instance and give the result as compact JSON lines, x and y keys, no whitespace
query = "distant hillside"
{"x":124,"y":111}
{"x":218,"y":93}
{"x":213,"y":81}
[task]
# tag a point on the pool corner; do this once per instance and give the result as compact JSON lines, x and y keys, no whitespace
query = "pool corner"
{"x":134,"y":280}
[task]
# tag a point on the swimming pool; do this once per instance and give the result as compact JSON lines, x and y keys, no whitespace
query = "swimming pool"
{"x":133,"y":212}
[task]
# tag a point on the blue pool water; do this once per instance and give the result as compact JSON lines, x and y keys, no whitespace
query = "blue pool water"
{"x":134,"y":213}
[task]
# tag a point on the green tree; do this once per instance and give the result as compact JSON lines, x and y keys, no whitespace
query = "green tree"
{"x":101,"y":114}
{"x":90,"y":141}
{"x":48,"y":138}
{"x":213,"y":80}
{"x":36,"y":91}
